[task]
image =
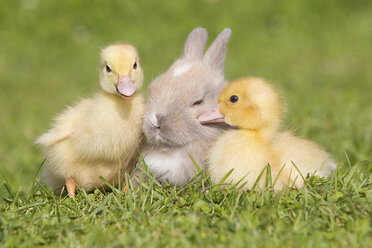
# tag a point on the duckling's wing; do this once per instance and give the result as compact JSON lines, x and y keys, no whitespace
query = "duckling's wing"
{"x":62,"y":129}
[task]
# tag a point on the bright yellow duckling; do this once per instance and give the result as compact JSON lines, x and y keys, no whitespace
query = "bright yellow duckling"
{"x":100,"y":134}
{"x":254,"y":107}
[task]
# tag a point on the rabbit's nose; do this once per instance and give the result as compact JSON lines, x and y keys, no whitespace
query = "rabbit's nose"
{"x":157,"y":120}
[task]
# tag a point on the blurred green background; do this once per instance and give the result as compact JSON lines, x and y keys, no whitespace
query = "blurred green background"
{"x":318,"y":53}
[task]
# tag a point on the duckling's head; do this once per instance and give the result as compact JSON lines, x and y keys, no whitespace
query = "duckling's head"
{"x":248,"y":103}
{"x":120,"y":70}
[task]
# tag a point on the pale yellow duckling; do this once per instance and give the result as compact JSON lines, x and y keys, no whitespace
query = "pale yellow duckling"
{"x":254,"y":107}
{"x":101,"y":134}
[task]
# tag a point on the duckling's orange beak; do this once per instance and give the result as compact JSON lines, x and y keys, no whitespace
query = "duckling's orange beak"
{"x":125,"y":86}
{"x":211,"y":116}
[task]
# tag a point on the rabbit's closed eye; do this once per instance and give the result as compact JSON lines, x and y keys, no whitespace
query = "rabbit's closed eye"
{"x":198,"y":102}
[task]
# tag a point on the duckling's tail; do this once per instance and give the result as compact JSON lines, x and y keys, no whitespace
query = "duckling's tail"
{"x":51,"y":137}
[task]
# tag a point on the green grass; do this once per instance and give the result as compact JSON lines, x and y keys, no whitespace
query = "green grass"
{"x":318,"y":53}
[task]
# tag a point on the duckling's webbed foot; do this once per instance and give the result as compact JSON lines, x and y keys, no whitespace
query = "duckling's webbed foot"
{"x":71,"y":187}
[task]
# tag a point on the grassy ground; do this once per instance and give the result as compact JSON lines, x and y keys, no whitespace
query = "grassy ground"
{"x":317,"y":52}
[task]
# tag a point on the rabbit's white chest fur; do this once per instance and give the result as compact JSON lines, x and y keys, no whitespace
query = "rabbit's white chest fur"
{"x":170,"y":165}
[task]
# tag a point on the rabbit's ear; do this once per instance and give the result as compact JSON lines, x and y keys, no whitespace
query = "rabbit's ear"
{"x":195,"y":44}
{"x":215,"y":55}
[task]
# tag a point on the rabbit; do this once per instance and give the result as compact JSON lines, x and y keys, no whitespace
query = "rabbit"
{"x":176,"y":99}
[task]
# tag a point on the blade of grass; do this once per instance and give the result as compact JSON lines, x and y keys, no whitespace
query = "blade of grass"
{"x":348,"y":159}
{"x":277,"y":177}
{"x":34,"y":179}
{"x":268,"y":176}
{"x":8,"y":188}
{"x":299,"y":172}
{"x":258,"y":178}
{"x":109,"y":185}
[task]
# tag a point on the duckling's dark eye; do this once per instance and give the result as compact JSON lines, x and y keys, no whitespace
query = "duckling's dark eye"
{"x":234,"y":98}
{"x":135,"y":65}
{"x":198,"y":102}
{"x":108,"y":69}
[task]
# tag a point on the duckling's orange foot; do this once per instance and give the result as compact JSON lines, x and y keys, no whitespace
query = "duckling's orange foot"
{"x":71,"y":187}
{"x":125,"y":189}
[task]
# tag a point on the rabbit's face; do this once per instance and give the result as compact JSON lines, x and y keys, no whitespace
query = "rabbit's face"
{"x":189,"y":88}
{"x":176,"y":99}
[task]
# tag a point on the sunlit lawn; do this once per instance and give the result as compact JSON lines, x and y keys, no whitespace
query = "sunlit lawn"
{"x":318,"y":53}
